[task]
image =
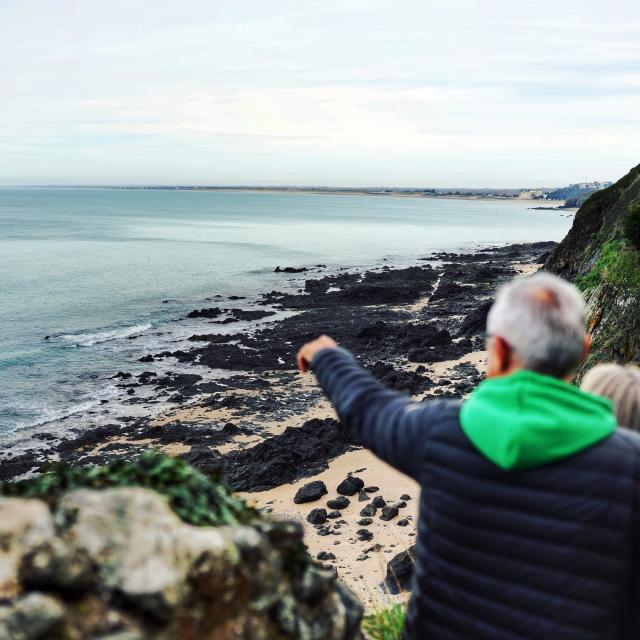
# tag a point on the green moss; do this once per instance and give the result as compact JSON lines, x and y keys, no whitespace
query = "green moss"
{"x":195,"y":498}
{"x":618,"y":264}
{"x":386,"y":624}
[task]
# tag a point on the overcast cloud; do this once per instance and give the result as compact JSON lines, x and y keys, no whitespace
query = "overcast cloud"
{"x":351,"y":92}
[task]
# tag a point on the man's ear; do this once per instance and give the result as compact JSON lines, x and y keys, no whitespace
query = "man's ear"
{"x":502,"y":353}
{"x":499,"y":358}
{"x":586,"y":345}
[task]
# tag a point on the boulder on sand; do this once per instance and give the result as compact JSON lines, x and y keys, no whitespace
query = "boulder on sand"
{"x":338,"y":503}
{"x":310,"y":492}
{"x":350,"y":486}
{"x":400,"y":572}
{"x":317,"y":516}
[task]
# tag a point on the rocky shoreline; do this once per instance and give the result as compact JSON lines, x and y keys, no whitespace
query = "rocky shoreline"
{"x":398,"y":322}
{"x":269,"y":433}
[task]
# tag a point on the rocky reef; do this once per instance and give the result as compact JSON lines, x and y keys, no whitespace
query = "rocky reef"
{"x":119,"y":563}
{"x":601,"y":256}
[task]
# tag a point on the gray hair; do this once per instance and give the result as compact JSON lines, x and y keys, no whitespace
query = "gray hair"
{"x":543,"y":320}
{"x":619,"y":384}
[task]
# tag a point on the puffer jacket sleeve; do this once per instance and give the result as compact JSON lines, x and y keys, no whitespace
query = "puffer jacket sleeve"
{"x":392,"y":425}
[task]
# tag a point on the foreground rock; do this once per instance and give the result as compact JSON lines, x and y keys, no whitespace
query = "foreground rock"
{"x":119,"y":563}
{"x":400,"y":572}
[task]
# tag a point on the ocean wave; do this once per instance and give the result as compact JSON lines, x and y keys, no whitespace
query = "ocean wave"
{"x":56,"y":416}
{"x":89,"y":339}
{"x":43,"y":415}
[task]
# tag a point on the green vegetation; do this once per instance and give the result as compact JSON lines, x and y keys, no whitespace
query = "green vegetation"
{"x":196,"y":499}
{"x":618,"y":264}
{"x":631,"y":226}
{"x":386,"y":624}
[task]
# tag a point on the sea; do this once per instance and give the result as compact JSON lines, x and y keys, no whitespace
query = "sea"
{"x":92,"y":279}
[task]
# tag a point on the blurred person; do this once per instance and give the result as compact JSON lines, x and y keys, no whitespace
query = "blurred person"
{"x":621,"y":385}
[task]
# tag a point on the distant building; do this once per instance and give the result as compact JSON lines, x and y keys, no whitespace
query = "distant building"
{"x":532,"y":194}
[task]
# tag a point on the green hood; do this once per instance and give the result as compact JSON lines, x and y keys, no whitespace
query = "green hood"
{"x":527,"y":420}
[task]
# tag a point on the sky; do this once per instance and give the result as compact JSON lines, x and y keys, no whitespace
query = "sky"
{"x":493,"y":93}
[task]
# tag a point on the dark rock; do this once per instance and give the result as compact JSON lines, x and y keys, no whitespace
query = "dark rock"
{"x":365,"y":522}
{"x":372,"y":489}
{"x":363,"y":497}
{"x":231,"y":429}
{"x":147,"y":358}
{"x":212,"y":312}
{"x":317,"y":516}
{"x":368,"y":511}
{"x":409,"y":382}
{"x":310,"y":492}
{"x":290,"y":270}
{"x":378,"y":502}
{"x":338,"y":503}
{"x":364,"y":535}
{"x":475,"y":323}
{"x":334,"y":514}
{"x":400,"y":571}
{"x":402,"y":523}
{"x":389,"y":512}
{"x":405,"y":496}
{"x":374,"y":549}
{"x":297,"y":452}
{"x":326,"y":555}
{"x":349,"y":486}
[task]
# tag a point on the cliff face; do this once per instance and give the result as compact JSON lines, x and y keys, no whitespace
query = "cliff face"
{"x":598,"y":257}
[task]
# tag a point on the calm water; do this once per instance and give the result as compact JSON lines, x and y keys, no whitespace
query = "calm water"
{"x":91,"y":268}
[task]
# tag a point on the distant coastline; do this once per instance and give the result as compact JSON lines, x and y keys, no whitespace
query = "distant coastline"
{"x":462,"y":193}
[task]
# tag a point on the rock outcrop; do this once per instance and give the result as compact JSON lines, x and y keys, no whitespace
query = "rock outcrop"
{"x":119,"y":563}
{"x":599,"y":257}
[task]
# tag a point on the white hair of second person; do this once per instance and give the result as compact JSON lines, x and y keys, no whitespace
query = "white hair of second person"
{"x":542,"y":318}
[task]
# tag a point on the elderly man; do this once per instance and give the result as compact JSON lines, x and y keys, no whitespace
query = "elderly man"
{"x":529,"y":521}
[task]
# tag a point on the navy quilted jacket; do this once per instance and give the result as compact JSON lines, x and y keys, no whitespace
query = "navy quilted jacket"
{"x":550,"y":553}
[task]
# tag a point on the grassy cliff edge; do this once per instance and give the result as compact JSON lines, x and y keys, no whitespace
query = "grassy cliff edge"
{"x":601,"y":255}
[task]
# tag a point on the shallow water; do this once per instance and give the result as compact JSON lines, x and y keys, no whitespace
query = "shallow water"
{"x":108,"y":275}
